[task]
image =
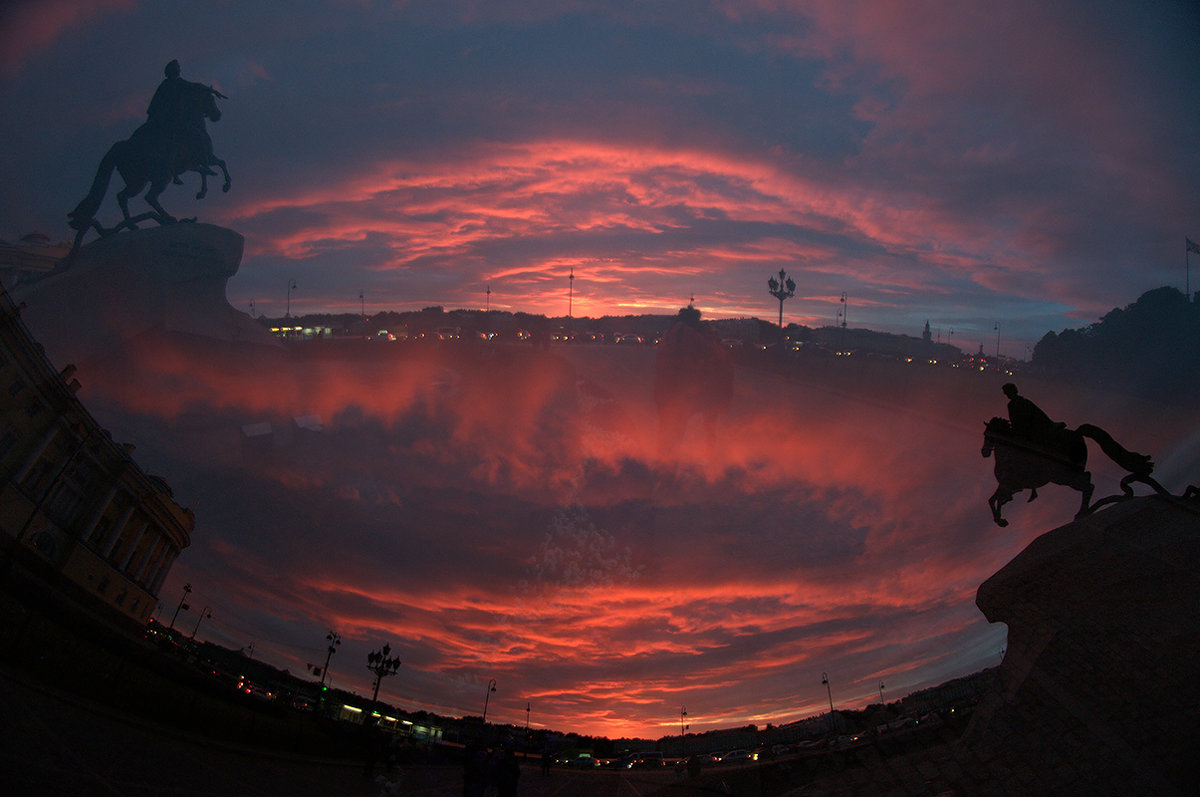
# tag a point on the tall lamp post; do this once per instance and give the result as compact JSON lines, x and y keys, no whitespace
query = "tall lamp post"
{"x":491,"y":687}
{"x":881,"y":693}
{"x":383,"y":665}
{"x":334,"y":641}
{"x":682,"y":728}
{"x":186,"y":589}
{"x":825,"y":681}
{"x":291,"y":287}
{"x":204,"y":615}
{"x":782,"y":288}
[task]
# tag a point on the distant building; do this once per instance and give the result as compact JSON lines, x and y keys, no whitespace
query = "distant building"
{"x":75,"y":511}
{"x":28,"y":259}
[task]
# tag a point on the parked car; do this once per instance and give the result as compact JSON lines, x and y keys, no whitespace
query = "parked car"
{"x":737,"y":757}
{"x":642,"y":761}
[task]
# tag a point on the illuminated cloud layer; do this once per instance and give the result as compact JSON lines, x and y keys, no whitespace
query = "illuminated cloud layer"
{"x":1029,"y":165}
{"x":504,"y":512}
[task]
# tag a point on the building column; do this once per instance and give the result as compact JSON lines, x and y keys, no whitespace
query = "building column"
{"x":153,"y":553}
{"x":127,"y":559}
{"x":164,"y":567}
{"x":105,"y":547}
{"x":86,"y":530}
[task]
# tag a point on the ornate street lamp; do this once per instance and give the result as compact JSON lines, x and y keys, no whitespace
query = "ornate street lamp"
{"x":383,"y":665}
{"x":491,"y":687}
{"x":782,"y":288}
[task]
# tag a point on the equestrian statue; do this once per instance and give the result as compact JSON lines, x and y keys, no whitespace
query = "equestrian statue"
{"x":1031,"y":451}
{"x":171,"y":141}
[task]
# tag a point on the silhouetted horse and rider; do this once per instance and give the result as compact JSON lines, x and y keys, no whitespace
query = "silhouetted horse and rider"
{"x":173,"y":140}
{"x":1031,"y":451}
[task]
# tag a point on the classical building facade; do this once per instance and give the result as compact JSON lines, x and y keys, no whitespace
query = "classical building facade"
{"x":74,"y":507}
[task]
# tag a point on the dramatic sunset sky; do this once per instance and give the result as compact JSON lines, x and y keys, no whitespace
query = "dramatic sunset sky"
{"x":1027,"y":165}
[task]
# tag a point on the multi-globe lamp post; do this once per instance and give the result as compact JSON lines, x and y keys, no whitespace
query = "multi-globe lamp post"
{"x":383,"y":664}
{"x":782,"y":288}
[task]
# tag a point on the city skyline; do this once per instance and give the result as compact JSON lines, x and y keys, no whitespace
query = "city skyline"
{"x":443,"y":153}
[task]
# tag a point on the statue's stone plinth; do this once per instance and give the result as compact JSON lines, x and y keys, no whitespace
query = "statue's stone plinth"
{"x":158,"y":281}
{"x":1100,"y":684}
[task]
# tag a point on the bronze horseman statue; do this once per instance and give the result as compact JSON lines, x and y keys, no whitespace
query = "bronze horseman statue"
{"x":1031,"y":451}
{"x":173,"y":140}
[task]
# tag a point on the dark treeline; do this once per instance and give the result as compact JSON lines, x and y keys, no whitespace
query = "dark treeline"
{"x":1150,"y":348}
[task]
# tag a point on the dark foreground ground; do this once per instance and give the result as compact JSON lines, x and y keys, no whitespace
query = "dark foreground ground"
{"x":56,"y":743}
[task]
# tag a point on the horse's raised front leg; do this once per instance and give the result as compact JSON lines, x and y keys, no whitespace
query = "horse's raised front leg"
{"x":224,"y":171}
{"x":997,"y":500}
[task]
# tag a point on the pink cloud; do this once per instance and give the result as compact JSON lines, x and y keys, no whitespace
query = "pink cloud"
{"x":29,"y":27}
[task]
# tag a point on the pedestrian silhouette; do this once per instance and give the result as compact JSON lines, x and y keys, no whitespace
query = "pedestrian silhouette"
{"x":475,"y":770}
{"x":507,"y":773}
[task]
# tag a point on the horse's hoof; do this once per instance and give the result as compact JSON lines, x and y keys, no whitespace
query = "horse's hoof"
{"x":1001,"y":522}
{"x":225,"y":188}
{"x":200,"y":196}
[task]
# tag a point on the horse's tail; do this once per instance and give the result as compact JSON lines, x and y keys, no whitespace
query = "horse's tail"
{"x":1140,"y":464}
{"x":85,"y":211}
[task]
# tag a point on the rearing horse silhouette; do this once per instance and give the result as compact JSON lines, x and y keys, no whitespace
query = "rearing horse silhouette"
{"x":154,"y":156}
{"x":1026,"y":465}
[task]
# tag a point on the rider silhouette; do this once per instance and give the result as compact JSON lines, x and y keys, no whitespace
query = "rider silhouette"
{"x":167,"y":116}
{"x":1028,"y":420}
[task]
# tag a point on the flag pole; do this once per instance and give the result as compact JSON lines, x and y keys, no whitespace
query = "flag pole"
{"x":1189,"y":246}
